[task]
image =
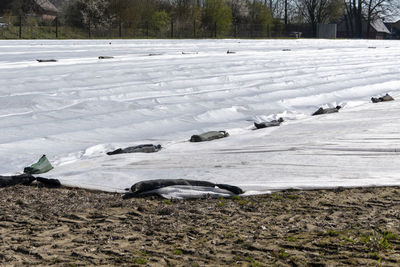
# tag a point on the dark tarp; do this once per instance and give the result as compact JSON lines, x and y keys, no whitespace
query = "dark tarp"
{"x":42,"y":166}
{"x":384,"y":98}
{"x":268,"y":124}
{"x":146,"y":148}
{"x":146,"y":186}
{"x":208,"y":136}
{"x":326,"y":110}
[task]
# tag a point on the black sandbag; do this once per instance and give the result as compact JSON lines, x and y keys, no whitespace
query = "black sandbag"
{"x":49,"y":182}
{"x":326,"y":110}
{"x":145,"y":148}
{"x":208,"y":136}
{"x":234,"y":189}
{"x":24,"y":179}
{"x":384,"y":98}
{"x":105,"y":57}
{"x":266,"y":124}
{"x":46,"y":60}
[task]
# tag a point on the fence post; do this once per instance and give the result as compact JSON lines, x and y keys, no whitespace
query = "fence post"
{"x":120,"y":28}
{"x":90,"y":34}
{"x":147,"y":29}
{"x":20,"y":26}
{"x":194,"y":28}
{"x":172,"y":29}
{"x":235,"y":30}
{"x":57,"y":27}
{"x":215,"y":28}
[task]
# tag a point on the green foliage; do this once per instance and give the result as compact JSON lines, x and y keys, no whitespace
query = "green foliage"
{"x":261,"y":17}
{"x":332,"y":233}
{"x":217,"y":16}
{"x":159,"y":20}
{"x":168,"y":201}
{"x":283,"y":253}
{"x":141,"y":261}
{"x":291,"y":239}
{"x":177,"y":252}
{"x":236,"y":197}
{"x":276,"y":196}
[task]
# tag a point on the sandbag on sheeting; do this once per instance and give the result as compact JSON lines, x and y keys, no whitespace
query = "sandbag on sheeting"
{"x":105,"y":57}
{"x":42,"y":166}
{"x":16,"y":179}
{"x":208,"y":136}
{"x":146,"y":148}
{"x":144,"y":187}
{"x":46,"y":60}
{"x":326,"y":110}
{"x":384,"y":98}
{"x":268,"y":124}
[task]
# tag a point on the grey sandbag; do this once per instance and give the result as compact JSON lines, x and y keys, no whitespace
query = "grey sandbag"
{"x":208,"y":136}
{"x":16,"y":179}
{"x":145,"y":148}
{"x":326,"y":110}
{"x":46,"y":60}
{"x":384,"y":98}
{"x":272,"y":123}
{"x":42,"y":166}
{"x":149,"y":185}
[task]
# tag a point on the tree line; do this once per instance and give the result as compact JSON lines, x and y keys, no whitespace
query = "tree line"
{"x":215,"y":17}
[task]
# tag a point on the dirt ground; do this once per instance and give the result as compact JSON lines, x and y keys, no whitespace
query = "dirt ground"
{"x":76,"y":227}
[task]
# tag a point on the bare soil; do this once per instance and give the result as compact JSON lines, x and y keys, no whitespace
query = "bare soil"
{"x":76,"y":227}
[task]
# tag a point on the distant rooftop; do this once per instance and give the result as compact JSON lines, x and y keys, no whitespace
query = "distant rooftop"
{"x":46,"y":5}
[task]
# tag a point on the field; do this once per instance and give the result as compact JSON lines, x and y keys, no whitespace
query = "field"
{"x":163,"y":91}
{"x":78,"y":108}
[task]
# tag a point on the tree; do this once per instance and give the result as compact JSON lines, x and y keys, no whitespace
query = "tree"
{"x":359,"y":11}
{"x":216,"y":16}
{"x":5,"y":5}
{"x":318,"y":11}
{"x":261,"y":17}
{"x":159,"y":20}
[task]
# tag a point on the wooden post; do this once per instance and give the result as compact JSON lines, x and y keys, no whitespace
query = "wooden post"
{"x":215,"y":29}
{"x":147,"y":29}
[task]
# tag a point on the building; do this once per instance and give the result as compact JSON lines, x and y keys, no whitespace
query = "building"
{"x":378,"y":30}
{"x":44,"y":9}
{"x":394,"y":28}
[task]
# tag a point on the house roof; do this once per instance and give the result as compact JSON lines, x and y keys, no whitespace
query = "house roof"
{"x":46,"y":6}
{"x":379,"y":26}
